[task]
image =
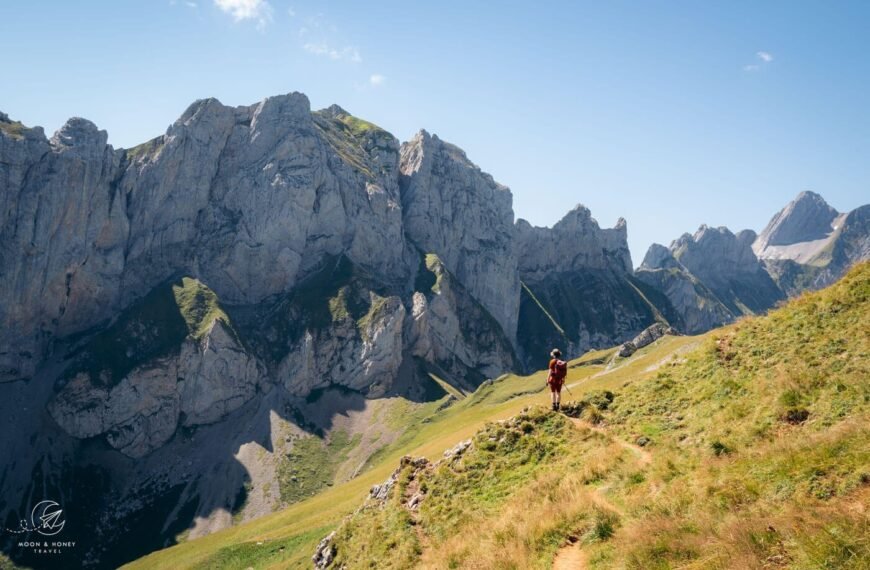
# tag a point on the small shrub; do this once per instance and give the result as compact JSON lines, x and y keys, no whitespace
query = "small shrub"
{"x":601,"y":399}
{"x":637,"y":478}
{"x":593,"y":401}
{"x":720,"y":448}
{"x":603,"y":528}
{"x":790,"y":398}
{"x":593,"y":416}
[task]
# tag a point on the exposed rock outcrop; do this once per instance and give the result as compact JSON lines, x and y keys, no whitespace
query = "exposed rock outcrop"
{"x":324,"y":554}
{"x":64,"y":230}
{"x":138,"y":404}
{"x":726,"y":265}
{"x":574,"y":243}
{"x":449,"y":328}
{"x":648,"y":336}
{"x":248,"y":199}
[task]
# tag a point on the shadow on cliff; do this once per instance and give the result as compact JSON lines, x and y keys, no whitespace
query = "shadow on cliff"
{"x":118,"y":509}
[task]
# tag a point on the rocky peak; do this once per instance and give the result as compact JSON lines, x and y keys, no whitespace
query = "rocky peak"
{"x":806,"y":218}
{"x":659,"y":257}
{"x":574,"y":243}
{"x":79,"y":133}
{"x":714,"y":250}
{"x":334,"y":111}
{"x":292,"y":108}
{"x":577,"y":217}
{"x":746,"y":237}
{"x":717,"y":277}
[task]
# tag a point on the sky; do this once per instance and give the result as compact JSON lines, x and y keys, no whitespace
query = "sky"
{"x":670,"y":114}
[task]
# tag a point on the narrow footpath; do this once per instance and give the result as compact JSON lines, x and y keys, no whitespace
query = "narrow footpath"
{"x":572,"y":556}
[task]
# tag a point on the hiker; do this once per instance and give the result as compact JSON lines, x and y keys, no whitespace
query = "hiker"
{"x":556,"y":377}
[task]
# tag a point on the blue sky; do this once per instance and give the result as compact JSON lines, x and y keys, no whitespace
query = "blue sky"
{"x":670,"y":114}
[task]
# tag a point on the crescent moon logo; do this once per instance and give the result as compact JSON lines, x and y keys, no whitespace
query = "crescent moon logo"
{"x":46,"y":518}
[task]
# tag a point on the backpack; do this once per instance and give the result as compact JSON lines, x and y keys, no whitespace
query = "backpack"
{"x":560,"y":370}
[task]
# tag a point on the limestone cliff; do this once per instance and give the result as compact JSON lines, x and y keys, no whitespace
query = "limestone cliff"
{"x":461,"y":214}
{"x":578,"y":288}
{"x":216,"y":282}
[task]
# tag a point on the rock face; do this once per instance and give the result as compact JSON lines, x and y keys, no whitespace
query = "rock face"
{"x":153,"y":371}
{"x":578,"y":288}
{"x":248,"y":199}
{"x":450,"y":329}
{"x":64,"y":229}
{"x":697,"y":306}
{"x":807,"y":218}
{"x":574,"y":243}
{"x":202,"y":384}
{"x":710,"y":277}
{"x":726,"y":265}
{"x":808,"y":244}
{"x":453,"y":209}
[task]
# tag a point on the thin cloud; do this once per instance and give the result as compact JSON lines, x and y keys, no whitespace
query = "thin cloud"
{"x":376,"y":80}
{"x":259,"y":11}
{"x":762,"y":59}
{"x":347,"y":53}
{"x":291,"y":12}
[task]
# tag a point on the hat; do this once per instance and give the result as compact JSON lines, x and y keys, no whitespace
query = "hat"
{"x":556,"y":352}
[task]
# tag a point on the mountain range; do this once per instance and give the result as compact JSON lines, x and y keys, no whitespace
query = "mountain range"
{"x":186,"y":322}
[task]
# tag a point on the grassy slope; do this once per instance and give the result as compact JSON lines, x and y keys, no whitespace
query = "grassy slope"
{"x":738,"y":480}
{"x":732,"y":483}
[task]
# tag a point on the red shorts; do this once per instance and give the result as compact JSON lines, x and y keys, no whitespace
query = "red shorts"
{"x":555,"y":386}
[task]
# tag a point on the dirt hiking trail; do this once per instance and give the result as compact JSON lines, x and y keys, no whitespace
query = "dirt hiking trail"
{"x":572,"y":556}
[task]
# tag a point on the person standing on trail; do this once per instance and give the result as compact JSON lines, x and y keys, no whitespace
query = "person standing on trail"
{"x":556,"y":377}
